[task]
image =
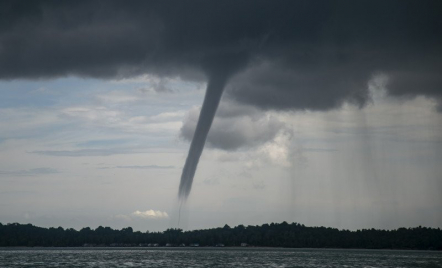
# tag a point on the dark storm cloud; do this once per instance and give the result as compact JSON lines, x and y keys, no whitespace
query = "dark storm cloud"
{"x":111,"y":38}
{"x":279,"y":55}
{"x":285,"y":54}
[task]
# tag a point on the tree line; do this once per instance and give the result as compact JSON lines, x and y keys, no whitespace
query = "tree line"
{"x":283,"y":234}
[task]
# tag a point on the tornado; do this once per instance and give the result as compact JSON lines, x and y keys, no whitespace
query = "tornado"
{"x":214,"y":91}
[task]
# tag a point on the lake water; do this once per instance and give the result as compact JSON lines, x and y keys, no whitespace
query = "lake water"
{"x":216,"y":257}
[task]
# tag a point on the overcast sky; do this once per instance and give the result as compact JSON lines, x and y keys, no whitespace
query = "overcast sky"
{"x":331,"y":113}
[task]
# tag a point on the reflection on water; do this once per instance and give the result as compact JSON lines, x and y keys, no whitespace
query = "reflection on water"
{"x":211,"y":257}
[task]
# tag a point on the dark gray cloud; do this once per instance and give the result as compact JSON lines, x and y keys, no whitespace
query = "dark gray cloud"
{"x":290,"y":54}
{"x":161,"y":87}
{"x":269,"y":85}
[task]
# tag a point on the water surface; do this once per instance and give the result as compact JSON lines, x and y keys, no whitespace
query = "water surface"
{"x":216,"y":257}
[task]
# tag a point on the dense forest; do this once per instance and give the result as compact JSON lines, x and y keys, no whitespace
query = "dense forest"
{"x":267,"y":235}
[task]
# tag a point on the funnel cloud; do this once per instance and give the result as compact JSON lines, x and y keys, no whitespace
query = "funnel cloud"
{"x":211,"y":101}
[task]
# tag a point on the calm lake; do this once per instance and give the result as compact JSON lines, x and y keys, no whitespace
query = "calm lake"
{"x":215,"y":257}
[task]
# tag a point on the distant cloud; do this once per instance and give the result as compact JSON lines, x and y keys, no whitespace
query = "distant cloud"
{"x":211,"y":181}
{"x":140,"y":167}
{"x":29,"y":172}
{"x":102,"y":143}
{"x":147,"y":167}
{"x":259,"y":185}
{"x":168,"y":115}
{"x":115,"y":119}
{"x":86,"y":152}
{"x":151,"y":214}
{"x":123,"y":217}
{"x":320,"y":150}
{"x":117,"y":97}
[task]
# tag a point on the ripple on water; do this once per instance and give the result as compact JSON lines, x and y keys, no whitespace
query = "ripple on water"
{"x":210,"y":257}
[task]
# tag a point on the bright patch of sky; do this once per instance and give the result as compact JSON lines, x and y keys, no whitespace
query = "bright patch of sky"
{"x":85,"y":152}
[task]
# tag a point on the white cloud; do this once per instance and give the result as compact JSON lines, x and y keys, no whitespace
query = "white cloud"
{"x":145,"y":78}
{"x":168,"y":115}
{"x":151,"y":84}
{"x":148,"y":214}
{"x":151,"y":214}
{"x":277,"y":151}
{"x":235,"y":130}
